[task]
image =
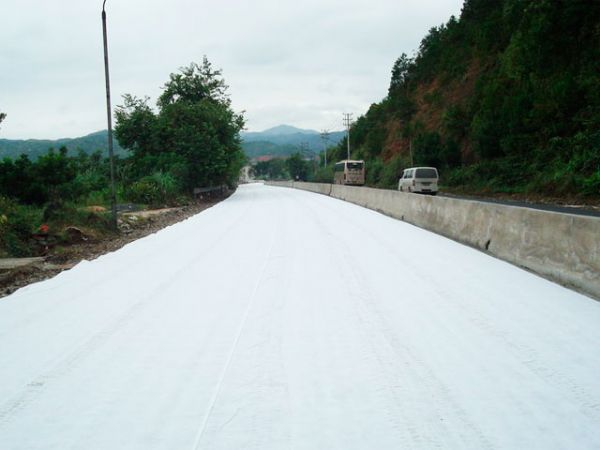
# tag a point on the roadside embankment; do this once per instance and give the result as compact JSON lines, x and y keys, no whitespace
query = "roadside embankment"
{"x":562,"y":247}
{"x":18,"y":272}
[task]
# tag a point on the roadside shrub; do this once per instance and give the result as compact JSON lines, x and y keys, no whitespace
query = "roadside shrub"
{"x":324,"y":175}
{"x":591,"y":185}
{"x":156,"y":190}
{"x":88,"y":182}
{"x":99,"y":197}
{"x":144,"y":191}
{"x":392,"y":171}
{"x":17,"y":223}
{"x":373,"y":171}
{"x":60,"y":213}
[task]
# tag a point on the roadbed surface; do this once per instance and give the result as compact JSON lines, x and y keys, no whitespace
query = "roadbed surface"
{"x":282,"y":319}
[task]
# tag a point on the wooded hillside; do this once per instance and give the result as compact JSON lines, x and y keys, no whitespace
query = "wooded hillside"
{"x":504,"y":98}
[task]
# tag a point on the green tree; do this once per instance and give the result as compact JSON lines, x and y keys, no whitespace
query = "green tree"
{"x":400,"y":73}
{"x":50,"y":178}
{"x":137,"y":126}
{"x":273,"y":169}
{"x":2,"y":117}
{"x":297,"y":167}
{"x":195,"y":83}
{"x":194,"y":135}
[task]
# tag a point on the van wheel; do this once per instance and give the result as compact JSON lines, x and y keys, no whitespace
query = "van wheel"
{"x":401,"y":189}
{"x":409,"y":189}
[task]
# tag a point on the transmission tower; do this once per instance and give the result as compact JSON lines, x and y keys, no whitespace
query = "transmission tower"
{"x":347,"y":123}
{"x":325,"y":138}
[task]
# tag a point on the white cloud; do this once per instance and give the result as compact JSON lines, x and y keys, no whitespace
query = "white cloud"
{"x":302,"y":63}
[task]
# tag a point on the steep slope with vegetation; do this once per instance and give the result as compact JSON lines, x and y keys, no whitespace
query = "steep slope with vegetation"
{"x":505,"y":98}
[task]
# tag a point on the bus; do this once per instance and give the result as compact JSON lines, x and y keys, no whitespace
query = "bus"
{"x":350,"y":172}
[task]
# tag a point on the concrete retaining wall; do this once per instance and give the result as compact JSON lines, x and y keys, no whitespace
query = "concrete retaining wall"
{"x":280,"y":183}
{"x":318,"y":188}
{"x":562,"y":247}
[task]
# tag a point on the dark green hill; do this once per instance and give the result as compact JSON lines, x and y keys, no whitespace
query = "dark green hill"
{"x":279,"y":141}
{"x":36,"y":147}
{"x":285,"y":140}
{"x":504,"y":98}
{"x":255,"y":149}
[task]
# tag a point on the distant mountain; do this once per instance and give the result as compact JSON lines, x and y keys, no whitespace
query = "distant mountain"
{"x":284,"y":140}
{"x":255,"y":149}
{"x":286,"y":130}
{"x":90,"y":143}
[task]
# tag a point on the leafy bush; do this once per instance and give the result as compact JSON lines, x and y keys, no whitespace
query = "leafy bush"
{"x":99,"y":197}
{"x":157,"y":189}
{"x":17,"y":222}
{"x":392,"y":171}
{"x":324,"y":175}
{"x":591,"y":185}
{"x":373,"y":169}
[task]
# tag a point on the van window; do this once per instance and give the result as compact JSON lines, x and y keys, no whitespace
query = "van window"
{"x":426,"y":173}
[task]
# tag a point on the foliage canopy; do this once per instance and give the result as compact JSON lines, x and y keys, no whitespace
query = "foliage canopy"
{"x":194,"y":135}
{"x":510,"y":84}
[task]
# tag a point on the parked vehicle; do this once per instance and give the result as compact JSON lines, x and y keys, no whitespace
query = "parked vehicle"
{"x":419,"y":179}
{"x":350,"y":172}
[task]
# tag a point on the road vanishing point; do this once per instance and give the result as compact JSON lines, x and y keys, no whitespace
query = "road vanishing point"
{"x":282,"y":319}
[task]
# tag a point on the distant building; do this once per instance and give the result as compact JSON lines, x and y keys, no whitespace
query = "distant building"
{"x":264,"y":158}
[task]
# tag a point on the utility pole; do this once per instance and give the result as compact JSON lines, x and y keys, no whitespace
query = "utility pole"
{"x":113,"y":195}
{"x":348,"y":122}
{"x":325,"y":138}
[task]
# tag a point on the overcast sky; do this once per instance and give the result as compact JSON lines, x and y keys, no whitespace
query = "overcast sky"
{"x":302,"y":62}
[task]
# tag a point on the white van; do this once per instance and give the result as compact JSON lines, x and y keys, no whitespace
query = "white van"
{"x":419,"y":179}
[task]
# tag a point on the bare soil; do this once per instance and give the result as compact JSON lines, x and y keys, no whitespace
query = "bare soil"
{"x":132,"y":226}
